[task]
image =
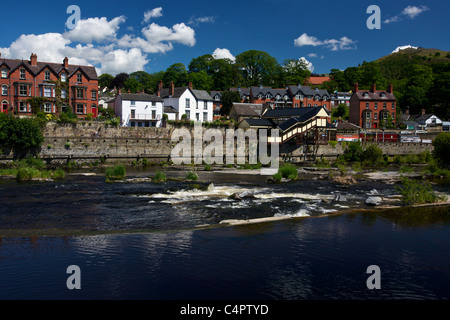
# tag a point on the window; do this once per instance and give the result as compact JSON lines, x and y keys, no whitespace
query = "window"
{"x":205,"y":116}
{"x":94,"y":95}
{"x":47,"y":92}
{"x":23,"y":106}
{"x":64,"y":108}
{"x":80,"y":108}
{"x":367,"y":105}
{"x":393,"y":105}
{"x":63,"y":77}
{"x":22,"y":90}
{"x":133,"y":103}
{"x":153,"y":104}
{"x":80,"y":93}
{"x":79,"y":78}
{"x":4,"y":90}
{"x":384,"y":105}
{"x":4,"y":73}
{"x":188,"y":114}
{"x":368,"y":115}
{"x":188,"y":103}
{"x":133,"y":114}
{"x":63,"y":93}
{"x":22,"y":74}
{"x":153,"y":114}
{"x":376,"y":105}
{"x":375,"y":116}
{"x":47,"y":75}
{"x":47,"y":107}
{"x":132,"y":124}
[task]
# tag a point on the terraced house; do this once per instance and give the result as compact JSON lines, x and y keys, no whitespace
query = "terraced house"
{"x":61,"y":86}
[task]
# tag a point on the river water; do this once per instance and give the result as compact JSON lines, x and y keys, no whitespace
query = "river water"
{"x":140,"y":240}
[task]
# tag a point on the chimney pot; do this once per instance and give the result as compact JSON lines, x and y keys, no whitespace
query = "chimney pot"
{"x":66,"y":62}
{"x":373,"y":88}
{"x":33,"y":59}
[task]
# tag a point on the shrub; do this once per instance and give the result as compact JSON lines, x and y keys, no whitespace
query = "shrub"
{"x":288,"y":171}
{"x":277,"y":177}
{"x":191,"y":175}
{"x":353,"y":152}
{"x":332,"y":144}
{"x":207,"y":167}
{"x":372,"y":154}
{"x":21,"y":135}
{"x":160,"y":176}
{"x":58,"y":174}
{"x":441,"y":150}
{"x":28,"y":173}
{"x":416,"y":192}
{"x":116,"y":173}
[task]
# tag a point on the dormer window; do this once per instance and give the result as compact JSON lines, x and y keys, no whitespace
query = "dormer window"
{"x":63,"y":77}
{"x":22,"y":74}
{"x":365,"y":94}
{"x":4,"y":73}
{"x":268,"y":96}
{"x":260,"y":96}
{"x":47,"y":75}
{"x":382,"y":94}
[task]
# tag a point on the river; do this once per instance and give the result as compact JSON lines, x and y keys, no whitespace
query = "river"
{"x":141,"y":240}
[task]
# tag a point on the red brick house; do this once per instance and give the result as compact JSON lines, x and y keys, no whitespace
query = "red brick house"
{"x":62,"y":86}
{"x":371,"y":108}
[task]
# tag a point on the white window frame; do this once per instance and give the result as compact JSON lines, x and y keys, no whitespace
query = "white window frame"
{"x":4,"y":73}
{"x":47,"y":92}
{"x":22,"y":74}
{"x":21,"y":91}
{"x":47,"y":75}
{"x":79,"y":78}
{"x":79,"y":105}
{"x":23,"y":106}
{"x":94,"y":95}
{"x":4,"y":90}
{"x":63,"y":77}
{"x":48,"y":107}
{"x":78,"y":93}
{"x":63,"y":93}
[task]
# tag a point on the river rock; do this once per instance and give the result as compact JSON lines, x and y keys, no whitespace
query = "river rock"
{"x":339,"y":198}
{"x":374,"y":201}
{"x":345,"y":180}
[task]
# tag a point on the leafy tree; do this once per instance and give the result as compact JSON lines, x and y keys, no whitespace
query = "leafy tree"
{"x":119,"y":80}
{"x":258,"y":68}
{"x":201,"y":80}
{"x":341,"y":111}
{"x":228,"y":97}
{"x":21,"y":135}
{"x":225,"y":74}
{"x":294,"y":72}
{"x":441,"y":150}
{"x":176,"y":73}
{"x":133,"y":85}
{"x":202,"y":63}
{"x":353,"y":152}
{"x":105,"y":80}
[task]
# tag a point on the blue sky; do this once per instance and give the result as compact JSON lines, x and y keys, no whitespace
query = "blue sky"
{"x":126,"y":36}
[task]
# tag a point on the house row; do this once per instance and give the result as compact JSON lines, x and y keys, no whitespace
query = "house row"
{"x":61,"y":86}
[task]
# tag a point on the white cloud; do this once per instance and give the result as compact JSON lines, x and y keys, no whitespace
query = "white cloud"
{"x":95,"y":29}
{"x":312,"y":55}
{"x":410,"y":12}
{"x":309,"y":65}
{"x":178,"y":33}
{"x":197,"y":21}
{"x":403,"y":48}
{"x":129,"y":41}
{"x":154,"y":13}
{"x":223,"y":54}
{"x":344,"y":43}
{"x":118,"y":61}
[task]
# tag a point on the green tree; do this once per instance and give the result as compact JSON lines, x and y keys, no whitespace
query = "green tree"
{"x":119,"y":80}
{"x":132,"y":85}
{"x":202,"y":63}
{"x":21,"y":135}
{"x":258,"y":68}
{"x":176,"y":73}
{"x":105,"y":80}
{"x":294,"y":72}
{"x":341,"y":112}
{"x":201,"y":80}
{"x":228,"y":98}
{"x":441,"y":150}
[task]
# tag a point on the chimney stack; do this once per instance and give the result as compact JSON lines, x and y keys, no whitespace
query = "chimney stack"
{"x":423,"y":111}
{"x":373,"y":88}
{"x":355,"y":87}
{"x":66,"y":63}
{"x":171,"y":89}
{"x":33,"y":59}
{"x":390,"y":88}
{"x":190,"y":85}
{"x":160,"y":87}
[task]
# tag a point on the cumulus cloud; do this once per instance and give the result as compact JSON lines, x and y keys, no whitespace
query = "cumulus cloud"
{"x":409,"y":12}
{"x":344,"y":43}
{"x":120,"y":60}
{"x":95,"y":29}
{"x":197,"y":21}
{"x":154,"y":13}
{"x":223,"y":54}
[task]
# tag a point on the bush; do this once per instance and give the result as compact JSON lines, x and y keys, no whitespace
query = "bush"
{"x":191,"y":175}
{"x":160,"y":176}
{"x":58,"y":174}
{"x":116,"y":173}
{"x":21,"y":135}
{"x":207,"y":167}
{"x":416,"y":192}
{"x":277,"y":177}
{"x":288,"y":171}
{"x":441,"y":150}
{"x":353,"y":152}
{"x":372,"y":154}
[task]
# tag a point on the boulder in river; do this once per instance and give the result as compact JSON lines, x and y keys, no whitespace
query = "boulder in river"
{"x":374,"y":201}
{"x":339,"y":198}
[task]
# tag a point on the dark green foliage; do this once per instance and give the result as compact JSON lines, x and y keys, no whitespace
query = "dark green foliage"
{"x":20,"y":135}
{"x":116,"y":173}
{"x":354,"y":152}
{"x":228,"y":97}
{"x":441,"y":150}
{"x":416,"y":192}
{"x":288,"y":171}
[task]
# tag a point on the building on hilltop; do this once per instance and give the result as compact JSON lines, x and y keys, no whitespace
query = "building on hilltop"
{"x":197,"y":105}
{"x":61,"y":85}
{"x":372,"y":109}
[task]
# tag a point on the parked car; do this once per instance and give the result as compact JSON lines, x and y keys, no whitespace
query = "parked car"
{"x":406,"y":132}
{"x":420,"y":131}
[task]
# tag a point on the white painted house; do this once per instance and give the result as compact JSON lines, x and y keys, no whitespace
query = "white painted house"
{"x":197,"y":105}
{"x":139,"y":110}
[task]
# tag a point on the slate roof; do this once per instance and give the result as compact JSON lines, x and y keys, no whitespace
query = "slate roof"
{"x":140,"y":97}
{"x":378,"y":95}
{"x":265,"y":90}
{"x":170,"y":109}
{"x":247,"y":109}
{"x":308,"y":91}
{"x":259,"y":122}
{"x":291,"y":112}
{"x":178,"y":92}
{"x":56,"y":68}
